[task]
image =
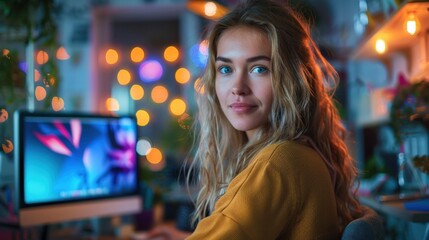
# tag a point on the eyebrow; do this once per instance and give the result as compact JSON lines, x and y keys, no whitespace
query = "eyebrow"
{"x":252,"y":59}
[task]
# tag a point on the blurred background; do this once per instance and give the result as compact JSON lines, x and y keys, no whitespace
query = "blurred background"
{"x":143,"y":57}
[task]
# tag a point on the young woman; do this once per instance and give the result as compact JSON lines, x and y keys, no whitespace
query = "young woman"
{"x":271,"y":158}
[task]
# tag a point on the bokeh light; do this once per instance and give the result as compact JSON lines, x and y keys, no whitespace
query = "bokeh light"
{"x":154,"y":156}
{"x":42,"y":57}
{"x":159,"y":94}
{"x":124,"y":77}
{"x":4,"y":115}
{"x":177,"y":106}
{"x":37,"y":75}
{"x":197,"y":89}
{"x":171,"y":54}
{"x":150,"y":71}
{"x":6,"y":51}
{"x":40,"y":93}
{"x":7,"y":147}
{"x":112,"y":104}
{"x":137,"y":54}
{"x":210,"y":9}
{"x":203,"y":48}
{"x":143,"y":146}
{"x":57,"y":104}
{"x":198,"y":58}
{"x":182,"y":75}
{"x":136,"y":92}
{"x":143,"y":117}
{"x":62,"y":54}
{"x":112,"y":56}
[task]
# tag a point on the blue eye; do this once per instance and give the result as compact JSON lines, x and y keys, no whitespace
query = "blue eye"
{"x":259,"y":69}
{"x":224,"y":69}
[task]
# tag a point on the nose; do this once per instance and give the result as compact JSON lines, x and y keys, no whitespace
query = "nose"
{"x":240,"y":85}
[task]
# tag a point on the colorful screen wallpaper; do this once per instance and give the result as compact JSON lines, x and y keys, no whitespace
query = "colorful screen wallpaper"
{"x":78,"y":158}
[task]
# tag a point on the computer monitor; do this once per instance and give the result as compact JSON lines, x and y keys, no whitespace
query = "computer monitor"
{"x":75,"y":166}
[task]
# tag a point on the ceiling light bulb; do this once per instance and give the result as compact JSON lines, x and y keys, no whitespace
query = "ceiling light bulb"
{"x":380,"y":46}
{"x":412,"y":24}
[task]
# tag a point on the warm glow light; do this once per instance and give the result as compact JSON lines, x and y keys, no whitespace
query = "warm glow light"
{"x":40,"y":93}
{"x":124,"y":77}
{"x":137,"y":54}
{"x":112,"y":56}
{"x":42,"y":57}
{"x":177,"y":107}
{"x":204,"y":47}
{"x":4,"y":115}
{"x":210,"y":9}
{"x":57,"y":104}
{"x":201,"y":90}
{"x":182,"y":75}
{"x":380,"y":46}
{"x":49,"y":80}
{"x":171,"y":54}
{"x":143,"y":147}
{"x":62,"y":54}
{"x":37,"y":75}
{"x":136,"y":92}
{"x":154,"y":156}
{"x":412,"y":24}
{"x":6,"y":51}
{"x":143,"y":118}
{"x":112,"y":104}
{"x":7,"y":147}
{"x":159,"y":94}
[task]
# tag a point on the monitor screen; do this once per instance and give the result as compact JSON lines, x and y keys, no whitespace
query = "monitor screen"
{"x":74,"y":166}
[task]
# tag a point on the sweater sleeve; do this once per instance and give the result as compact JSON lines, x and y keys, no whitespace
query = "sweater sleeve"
{"x":258,"y":203}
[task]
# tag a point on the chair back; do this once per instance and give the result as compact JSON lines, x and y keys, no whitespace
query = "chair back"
{"x":368,"y":227}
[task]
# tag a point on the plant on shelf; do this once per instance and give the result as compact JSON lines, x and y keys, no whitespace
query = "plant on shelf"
{"x":25,"y":24}
{"x":411,"y":106}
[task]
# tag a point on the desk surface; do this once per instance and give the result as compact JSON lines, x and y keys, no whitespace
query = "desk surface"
{"x":396,"y":209}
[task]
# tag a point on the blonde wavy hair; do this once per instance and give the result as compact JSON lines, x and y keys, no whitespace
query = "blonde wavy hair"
{"x":303,"y":83}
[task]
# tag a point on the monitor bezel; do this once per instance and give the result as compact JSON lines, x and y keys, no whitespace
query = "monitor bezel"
{"x":29,"y":213}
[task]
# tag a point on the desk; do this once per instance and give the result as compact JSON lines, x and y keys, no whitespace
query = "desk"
{"x":396,"y":209}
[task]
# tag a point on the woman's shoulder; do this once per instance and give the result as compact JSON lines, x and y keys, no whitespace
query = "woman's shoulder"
{"x":287,"y":153}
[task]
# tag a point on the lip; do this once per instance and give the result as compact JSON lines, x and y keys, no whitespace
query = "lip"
{"x":241,"y":107}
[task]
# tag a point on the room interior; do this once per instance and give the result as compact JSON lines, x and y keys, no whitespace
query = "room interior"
{"x":142,"y":58}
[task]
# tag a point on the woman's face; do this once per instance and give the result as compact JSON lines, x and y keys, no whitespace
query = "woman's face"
{"x":243,"y":78}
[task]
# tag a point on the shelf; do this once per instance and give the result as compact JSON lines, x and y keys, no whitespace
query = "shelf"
{"x":394,"y":33}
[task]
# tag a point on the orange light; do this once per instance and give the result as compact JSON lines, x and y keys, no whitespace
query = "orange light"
{"x":136,"y":92}
{"x":171,"y":54}
{"x":37,"y":75}
{"x":57,"y":104}
{"x":112,"y":104}
{"x":182,"y":75}
{"x":7,"y":147}
{"x":62,"y":54}
{"x":143,"y":118}
{"x":4,"y":115}
{"x":124,"y":77}
{"x":112,"y":56}
{"x":42,"y":57}
{"x":137,"y":54}
{"x":412,"y":24}
{"x":159,"y":94}
{"x":177,"y":107}
{"x":154,"y":156}
{"x":6,"y":51}
{"x":201,"y":90}
{"x":40,"y":93}
{"x":210,"y":10}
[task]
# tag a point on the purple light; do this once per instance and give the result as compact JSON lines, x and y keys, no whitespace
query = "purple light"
{"x":150,"y":71}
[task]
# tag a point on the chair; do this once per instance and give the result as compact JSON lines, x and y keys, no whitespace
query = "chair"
{"x":368,"y":227}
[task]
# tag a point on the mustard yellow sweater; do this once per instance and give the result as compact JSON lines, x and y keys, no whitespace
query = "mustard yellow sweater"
{"x":285,"y":193}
